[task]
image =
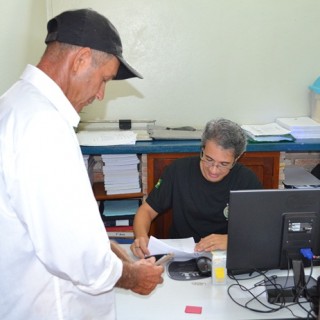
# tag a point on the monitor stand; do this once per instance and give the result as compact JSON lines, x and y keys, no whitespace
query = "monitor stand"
{"x":291,"y":288}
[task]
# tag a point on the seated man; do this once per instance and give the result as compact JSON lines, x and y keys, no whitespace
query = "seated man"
{"x":197,"y":190}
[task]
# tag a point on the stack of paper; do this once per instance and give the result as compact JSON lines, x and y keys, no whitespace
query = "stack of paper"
{"x":106,"y":138}
{"x":267,"y":132}
{"x":121,"y":174}
{"x":86,"y":160}
{"x":301,"y":127}
{"x":89,"y":163}
{"x":138,"y":127}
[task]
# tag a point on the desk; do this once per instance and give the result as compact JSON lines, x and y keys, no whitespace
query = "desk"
{"x":168,"y":301}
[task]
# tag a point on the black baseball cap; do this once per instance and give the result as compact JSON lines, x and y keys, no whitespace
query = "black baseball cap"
{"x":88,"y":28}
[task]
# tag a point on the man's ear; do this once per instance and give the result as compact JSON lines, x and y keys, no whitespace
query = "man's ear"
{"x":82,"y":59}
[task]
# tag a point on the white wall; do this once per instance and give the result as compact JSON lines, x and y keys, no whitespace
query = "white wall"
{"x":247,"y":60}
{"x":23,"y":28}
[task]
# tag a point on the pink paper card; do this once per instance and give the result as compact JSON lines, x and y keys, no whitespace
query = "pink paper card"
{"x":193,"y":309}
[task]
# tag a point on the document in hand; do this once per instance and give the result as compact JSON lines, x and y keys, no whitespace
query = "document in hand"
{"x":183,"y":249}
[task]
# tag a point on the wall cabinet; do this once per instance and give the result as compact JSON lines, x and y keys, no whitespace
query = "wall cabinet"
{"x":264,"y":164}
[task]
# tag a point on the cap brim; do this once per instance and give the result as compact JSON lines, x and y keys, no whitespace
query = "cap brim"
{"x":126,"y":71}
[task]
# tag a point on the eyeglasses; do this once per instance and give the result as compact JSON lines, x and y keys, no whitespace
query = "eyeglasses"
{"x":222,"y":166}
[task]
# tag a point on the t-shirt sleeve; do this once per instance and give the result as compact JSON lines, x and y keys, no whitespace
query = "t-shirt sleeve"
{"x":160,"y":197}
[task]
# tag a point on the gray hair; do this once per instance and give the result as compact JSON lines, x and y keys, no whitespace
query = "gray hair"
{"x":57,"y":51}
{"x":99,"y":58}
{"x":227,"y":134}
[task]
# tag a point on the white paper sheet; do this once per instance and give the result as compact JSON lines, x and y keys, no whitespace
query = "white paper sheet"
{"x":183,"y":249}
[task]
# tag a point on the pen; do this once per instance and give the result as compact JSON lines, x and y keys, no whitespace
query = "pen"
{"x":164,"y":259}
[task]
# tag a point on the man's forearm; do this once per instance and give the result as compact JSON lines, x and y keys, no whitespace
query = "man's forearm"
{"x":128,"y":279}
{"x":120,"y":252}
{"x":141,"y":228}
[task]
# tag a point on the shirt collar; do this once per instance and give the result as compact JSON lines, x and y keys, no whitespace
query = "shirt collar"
{"x":51,"y":91}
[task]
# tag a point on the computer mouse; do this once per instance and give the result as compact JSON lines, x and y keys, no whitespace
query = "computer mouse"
{"x":204,"y":266}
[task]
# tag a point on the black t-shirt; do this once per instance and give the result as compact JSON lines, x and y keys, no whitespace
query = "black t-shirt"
{"x":199,"y":206}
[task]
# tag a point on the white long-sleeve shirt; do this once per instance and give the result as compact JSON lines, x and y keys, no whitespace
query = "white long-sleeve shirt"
{"x":55,"y":256}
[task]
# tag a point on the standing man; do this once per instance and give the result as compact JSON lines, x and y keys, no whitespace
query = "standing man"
{"x":197,"y":190}
{"x":56,"y":259}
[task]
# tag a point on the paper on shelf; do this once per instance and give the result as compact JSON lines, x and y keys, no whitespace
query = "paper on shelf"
{"x":121,"y":173}
{"x":121,"y":207}
{"x":302,"y":123}
{"x":270,"y":132}
{"x":265,"y":129}
{"x":106,"y":138}
{"x":301,"y":127}
{"x":183,"y":249}
{"x":139,"y":127}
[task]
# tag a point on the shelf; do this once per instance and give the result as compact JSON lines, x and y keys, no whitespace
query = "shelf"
{"x":173,"y":146}
{"x":100,"y":193}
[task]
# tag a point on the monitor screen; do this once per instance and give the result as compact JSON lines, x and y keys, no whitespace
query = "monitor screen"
{"x":267,"y":228}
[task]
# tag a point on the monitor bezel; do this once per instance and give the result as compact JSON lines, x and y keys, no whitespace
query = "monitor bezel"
{"x":255,"y":226}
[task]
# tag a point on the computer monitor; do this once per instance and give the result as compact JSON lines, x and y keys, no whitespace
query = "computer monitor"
{"x":267,"y":229}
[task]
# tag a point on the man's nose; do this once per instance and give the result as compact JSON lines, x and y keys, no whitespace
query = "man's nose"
{"x":214,"y":168}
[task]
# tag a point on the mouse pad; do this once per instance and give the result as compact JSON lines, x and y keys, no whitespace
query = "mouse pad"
{"x":184,"y":270}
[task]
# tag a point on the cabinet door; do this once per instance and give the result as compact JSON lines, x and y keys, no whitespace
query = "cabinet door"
{"x":264,"y":164}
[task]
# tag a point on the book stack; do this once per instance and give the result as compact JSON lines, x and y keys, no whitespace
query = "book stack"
{"x":301,"y":127}
{"x":271,"y":132}
{"x":86,"y":160}
{"x":118,"y":216}
{"x":89,"y":163}
{"x":121,"y":173}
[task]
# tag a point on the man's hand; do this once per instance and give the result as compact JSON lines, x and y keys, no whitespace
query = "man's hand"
{"x":212,"y":242}
{"x":140,"y":247}
{"x":141,"y":276}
